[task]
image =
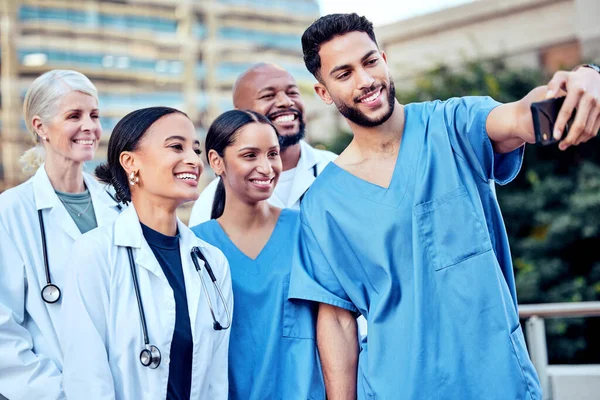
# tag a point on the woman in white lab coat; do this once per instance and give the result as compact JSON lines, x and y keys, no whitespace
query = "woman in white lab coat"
{"x":61,"y":113}
{"x":145,"y":319}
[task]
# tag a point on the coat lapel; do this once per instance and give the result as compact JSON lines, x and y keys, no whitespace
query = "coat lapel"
{"x":304,"y":176}
{"x":105,"y":208}
{"x":193,"y":285}
{"x":45,"y":197}
{"x":128,"y":233}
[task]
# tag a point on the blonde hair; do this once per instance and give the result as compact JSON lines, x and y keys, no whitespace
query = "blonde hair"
{"x":42,"y":99}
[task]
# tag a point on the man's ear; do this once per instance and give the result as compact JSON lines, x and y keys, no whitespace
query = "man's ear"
{"x":216,"y":162}
{"x":322,"y":92}
{"x":127,"y":160}
{"x":384,"y":56}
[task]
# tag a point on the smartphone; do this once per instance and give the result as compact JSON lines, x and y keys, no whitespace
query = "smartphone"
{"x":544,"y":115}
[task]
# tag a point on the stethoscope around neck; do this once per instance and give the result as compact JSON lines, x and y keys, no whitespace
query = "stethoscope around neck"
{"x":50,"y":292}
{"x":150,"y":356}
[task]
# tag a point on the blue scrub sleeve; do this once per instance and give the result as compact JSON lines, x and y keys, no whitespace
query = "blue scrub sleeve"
{"x":466,"y":120}
{"x":312,"y":277}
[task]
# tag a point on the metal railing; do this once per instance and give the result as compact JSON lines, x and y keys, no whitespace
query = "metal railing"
{"x":534,"y":314}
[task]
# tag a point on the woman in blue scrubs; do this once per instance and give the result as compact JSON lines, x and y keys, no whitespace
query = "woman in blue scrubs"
{"x":272,"y":353}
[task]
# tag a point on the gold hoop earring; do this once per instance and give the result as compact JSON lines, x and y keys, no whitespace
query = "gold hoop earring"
{"x":133,"y":178}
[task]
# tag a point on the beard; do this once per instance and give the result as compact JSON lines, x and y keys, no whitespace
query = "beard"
{"x":286,"y":141}
{"x":353,"y":114}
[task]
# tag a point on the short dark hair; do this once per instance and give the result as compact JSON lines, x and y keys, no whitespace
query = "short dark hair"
{"x":221,"y":134}
{"x":326,"y":28}
{"x":126,"y":136}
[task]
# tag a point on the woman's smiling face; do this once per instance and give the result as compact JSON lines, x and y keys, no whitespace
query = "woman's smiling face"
{"x":168,"y":160}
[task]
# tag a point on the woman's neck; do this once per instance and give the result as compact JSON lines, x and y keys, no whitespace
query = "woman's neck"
{"x":65,"y":175}
{"x":158,"y":215}
{"x":247,"y":216}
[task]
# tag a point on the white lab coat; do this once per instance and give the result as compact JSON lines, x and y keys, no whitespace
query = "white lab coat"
{"x":303,"y":178}
{"x":102,"y":336}
{"x":30,"y":354}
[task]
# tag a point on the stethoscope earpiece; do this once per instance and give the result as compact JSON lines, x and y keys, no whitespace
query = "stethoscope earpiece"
{"x":51,"y":293}
{"x":150,"y":357}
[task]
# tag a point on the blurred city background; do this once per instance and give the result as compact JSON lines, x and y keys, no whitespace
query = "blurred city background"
{"x":187,"y":54}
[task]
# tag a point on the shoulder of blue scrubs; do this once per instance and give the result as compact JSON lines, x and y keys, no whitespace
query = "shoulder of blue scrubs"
{"x":206,"y":231}
{"x":290,"y":216}
{"x":465,"y":119}
{"x":312,"y":277}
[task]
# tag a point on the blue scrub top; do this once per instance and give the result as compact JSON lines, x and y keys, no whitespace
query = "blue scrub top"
{"x":426,"y":261}
{"x":272,"y":348}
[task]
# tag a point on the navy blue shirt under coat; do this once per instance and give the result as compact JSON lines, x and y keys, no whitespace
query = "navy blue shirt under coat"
{"x":166,"y":251}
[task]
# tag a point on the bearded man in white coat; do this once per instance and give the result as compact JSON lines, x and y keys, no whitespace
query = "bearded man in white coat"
{"x":272,"y":91}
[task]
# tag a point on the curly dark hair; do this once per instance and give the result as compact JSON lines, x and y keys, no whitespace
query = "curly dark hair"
{"x":326,"y":28}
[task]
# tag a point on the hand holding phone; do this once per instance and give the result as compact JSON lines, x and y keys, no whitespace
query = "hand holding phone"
{"x":544,"y":114}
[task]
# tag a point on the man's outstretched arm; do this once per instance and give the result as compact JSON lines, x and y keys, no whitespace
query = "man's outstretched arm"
{"x":338,"y":348}
{"x":510,"y":125}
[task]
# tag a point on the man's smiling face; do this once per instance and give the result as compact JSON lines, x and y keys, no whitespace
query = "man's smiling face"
{"x":272,"y":91}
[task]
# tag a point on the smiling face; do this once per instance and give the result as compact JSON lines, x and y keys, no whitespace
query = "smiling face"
{"x":356,"y":78}
{"x":272,"y":91}
{"x":251,"y":165}
{"x":73,"y":134}
{"x":168,"y":161}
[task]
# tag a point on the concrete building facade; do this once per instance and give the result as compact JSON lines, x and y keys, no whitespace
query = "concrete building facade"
{"x":548,"y":34}
{"x":187,"y":53}
{"x":140,"y":53}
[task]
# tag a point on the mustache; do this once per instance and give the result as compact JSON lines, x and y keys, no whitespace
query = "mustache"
{"x":276,"y":114}
{"x":372,"y":88}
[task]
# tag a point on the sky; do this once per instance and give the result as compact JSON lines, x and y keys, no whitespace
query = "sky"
{"x":382,"y":12}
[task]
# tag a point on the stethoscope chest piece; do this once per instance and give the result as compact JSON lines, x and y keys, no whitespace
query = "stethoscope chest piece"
{"x":51,"y":293}
{"x":150,"y":356}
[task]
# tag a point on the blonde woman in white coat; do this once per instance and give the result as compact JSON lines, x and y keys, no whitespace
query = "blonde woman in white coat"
{"x":61,"y":113}
{"x":144,"y":318}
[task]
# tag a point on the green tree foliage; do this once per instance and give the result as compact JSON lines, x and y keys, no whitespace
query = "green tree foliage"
{"x":551,"y":211}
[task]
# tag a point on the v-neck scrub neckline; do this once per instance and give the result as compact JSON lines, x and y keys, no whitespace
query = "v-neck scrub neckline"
{"x":393,"y":195}
{"x":272,"y":349}
{"x":269,"y":250}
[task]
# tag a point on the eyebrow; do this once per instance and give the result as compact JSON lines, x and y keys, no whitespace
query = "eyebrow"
{"x":177,"y":137}
{"x":79,"y":110}
{"x":347,"y":66}
{"x":254,"y":148}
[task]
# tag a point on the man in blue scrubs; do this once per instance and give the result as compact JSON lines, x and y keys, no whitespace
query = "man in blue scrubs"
{"x":404,"y":229}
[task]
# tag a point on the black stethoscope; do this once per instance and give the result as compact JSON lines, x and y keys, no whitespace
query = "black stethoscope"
{"x":150,"y":356}
{"x":50,"y":292}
